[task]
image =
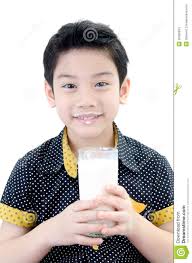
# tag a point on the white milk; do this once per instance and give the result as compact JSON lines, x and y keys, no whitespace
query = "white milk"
{"x":94,"y":174}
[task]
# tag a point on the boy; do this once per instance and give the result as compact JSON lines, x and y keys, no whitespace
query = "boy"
{"x":43,"y":220}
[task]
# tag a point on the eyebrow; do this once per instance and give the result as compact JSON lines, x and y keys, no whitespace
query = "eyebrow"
{"x":63,"y":75}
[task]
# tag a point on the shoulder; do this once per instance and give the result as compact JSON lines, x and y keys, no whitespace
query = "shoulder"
{"x":145,"y":155}
{"x":40,"y":152}
{"x":140,"y":149}
{"x":36,"y":158}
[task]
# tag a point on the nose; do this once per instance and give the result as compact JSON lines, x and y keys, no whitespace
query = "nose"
{"x":86,"y":99}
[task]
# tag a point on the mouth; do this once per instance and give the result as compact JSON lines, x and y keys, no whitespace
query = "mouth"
{"x":87,"y":118}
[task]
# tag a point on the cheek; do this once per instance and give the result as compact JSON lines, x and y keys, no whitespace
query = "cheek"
{"x":112,"y":106}
{"x":63,"y":110}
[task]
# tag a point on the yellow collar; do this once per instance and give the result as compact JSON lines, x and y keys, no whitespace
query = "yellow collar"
{"x":70,"y":160}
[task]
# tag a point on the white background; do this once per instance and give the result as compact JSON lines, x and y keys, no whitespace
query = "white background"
{"x":145,"y":29}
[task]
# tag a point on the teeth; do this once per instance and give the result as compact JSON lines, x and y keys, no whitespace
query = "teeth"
{"x":86,"y":116}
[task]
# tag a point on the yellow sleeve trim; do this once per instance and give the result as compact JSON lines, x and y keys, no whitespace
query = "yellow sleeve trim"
{"x":162,"y":216}
{"x":17,"y":217}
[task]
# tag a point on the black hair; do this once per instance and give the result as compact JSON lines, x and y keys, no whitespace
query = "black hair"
{"x":84,"y":34}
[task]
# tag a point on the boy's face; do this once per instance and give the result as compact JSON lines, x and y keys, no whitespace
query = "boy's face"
{"x":86,"y":91}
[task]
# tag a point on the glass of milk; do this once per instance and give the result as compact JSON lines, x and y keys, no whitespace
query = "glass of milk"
{"x":97,"y":167}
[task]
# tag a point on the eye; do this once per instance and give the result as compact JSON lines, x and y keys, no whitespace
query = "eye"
{"x":102,"y":84}
{"x":68,"y":86}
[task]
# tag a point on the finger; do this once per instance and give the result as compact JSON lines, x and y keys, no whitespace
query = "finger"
{"x":114,"y":201}
{"x":81,"y":205}
{"x":117,"y":216}
{"x":117,"y":190}
{"x":85,"y":216}
{"x":88,"y":241}
{"x":116,"y":230}
{"x":85,"y":229}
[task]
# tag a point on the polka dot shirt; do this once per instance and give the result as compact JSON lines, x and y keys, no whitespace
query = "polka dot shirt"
{"x":45,"y":181}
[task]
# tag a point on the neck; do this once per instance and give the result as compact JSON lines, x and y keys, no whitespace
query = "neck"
{"x":105,"y":139}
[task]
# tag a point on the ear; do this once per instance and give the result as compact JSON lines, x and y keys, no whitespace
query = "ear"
{"x":49,"y":94}
{"x":124,"y":91}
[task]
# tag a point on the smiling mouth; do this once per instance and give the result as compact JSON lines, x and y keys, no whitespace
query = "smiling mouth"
{"x":88,"y":119}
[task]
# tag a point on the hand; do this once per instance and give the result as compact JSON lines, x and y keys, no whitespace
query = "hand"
{"x":124,"y":214}
{"x":70,"y":226}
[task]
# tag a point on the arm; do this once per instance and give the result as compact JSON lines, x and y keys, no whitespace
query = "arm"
{"x":30,"y":248}
{"x":69,"y":227}
{"x":148,"y":238}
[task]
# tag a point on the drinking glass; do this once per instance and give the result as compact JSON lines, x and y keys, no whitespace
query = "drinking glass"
{"x":97,"y":167}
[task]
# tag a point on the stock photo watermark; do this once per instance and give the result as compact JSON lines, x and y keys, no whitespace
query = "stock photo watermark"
{"x":90,"y":34}
{"x":177,"y":87}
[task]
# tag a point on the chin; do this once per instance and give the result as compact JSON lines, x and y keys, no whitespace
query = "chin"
{"x":89,"y":132}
